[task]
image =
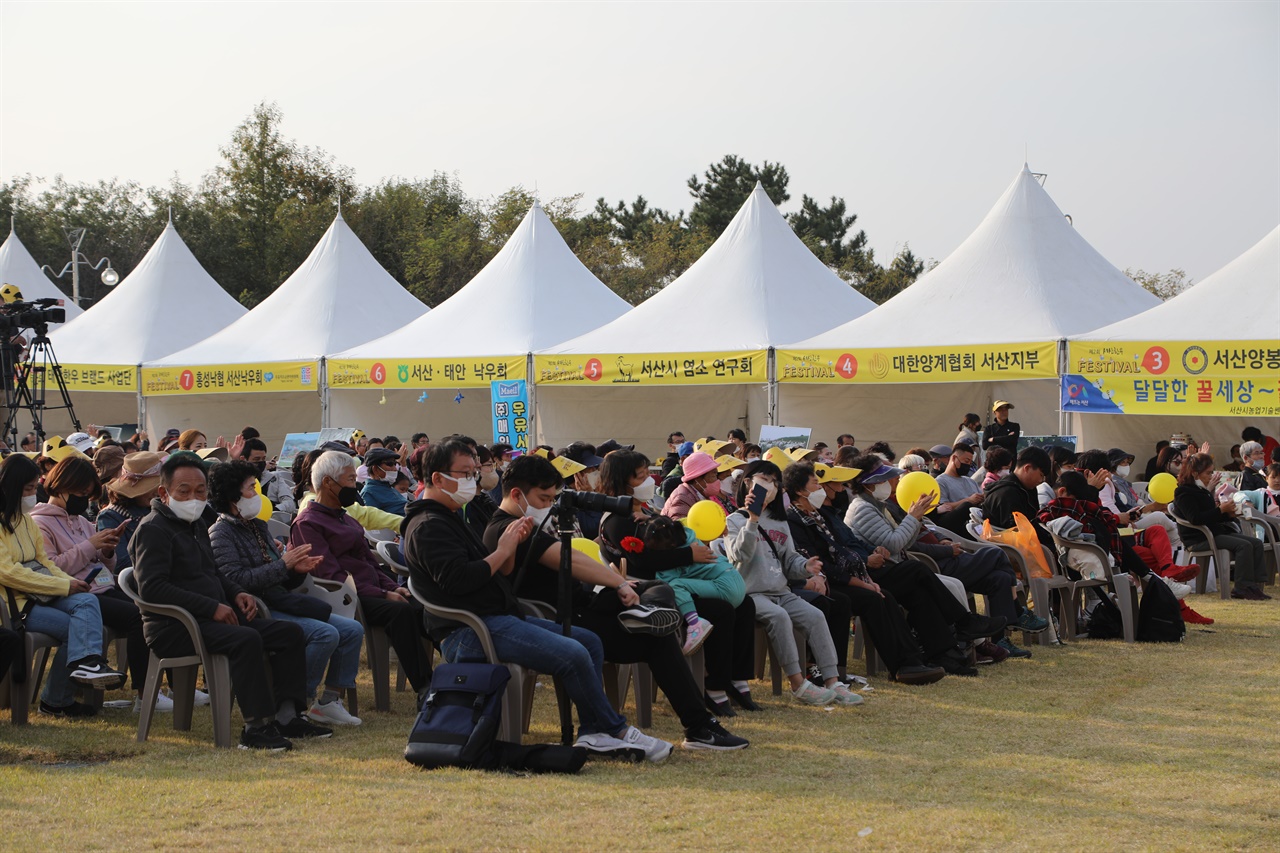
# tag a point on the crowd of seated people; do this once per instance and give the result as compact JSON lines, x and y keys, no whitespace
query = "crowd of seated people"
{"x":814,"y":542}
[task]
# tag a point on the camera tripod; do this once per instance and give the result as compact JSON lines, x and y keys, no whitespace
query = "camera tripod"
{"x":26,"y":383}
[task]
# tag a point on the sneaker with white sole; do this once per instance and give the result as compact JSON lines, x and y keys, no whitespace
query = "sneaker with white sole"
{"x":712,"y":736}
{"x":845,"y":696}
{"x":1179,"y":589}
{"x":696,"y":635}
{"x":811,"y":694}
{"x":655,"y":750}
{"x":163,"y":704}
{"x":202,"y":698}
{"x":599,"y":743}
{"x":646,"y":619}
{"x":332,"y":714}
{"x":94,"y":672}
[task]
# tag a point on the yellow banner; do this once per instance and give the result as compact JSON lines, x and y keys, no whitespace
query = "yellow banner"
{"x":967,"y":363}
{"x":231,"y":378}
{"x":1173,"y":378}
{"x":457,"y":372}
{"x":701,"y":368}
{"x":98,"y":377}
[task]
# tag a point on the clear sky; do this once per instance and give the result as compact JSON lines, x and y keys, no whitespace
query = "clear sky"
{"x":1157,"y":123}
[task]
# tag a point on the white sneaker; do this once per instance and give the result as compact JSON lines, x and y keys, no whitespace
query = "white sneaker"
{"x":1180,"y":590}
{"x":655,"y":750}
{"x":332,"y":714}
{"x":604,"y":744}
{"x":811,"y":694}
{"x":202,"y":698}
{"x":845,"y":696}
{"x":163,"y":704}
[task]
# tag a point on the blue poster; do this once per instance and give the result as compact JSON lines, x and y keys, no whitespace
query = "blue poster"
{"x":510,"y":413}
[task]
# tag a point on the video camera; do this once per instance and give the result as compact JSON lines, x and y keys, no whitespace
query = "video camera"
{"x":592,"y":502}
{"x":37,"y":314}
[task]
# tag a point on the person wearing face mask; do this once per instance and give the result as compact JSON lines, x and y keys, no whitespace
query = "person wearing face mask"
{"x":248,"y":556}
{"x":491,"y":481}
{"x":275,"y":485}
{"x":450,"y":566}
{"x":701,"y":481}
{"x":999,"y":463}
{"x":53,"y":602}
{"x":380,"y":489}
{"x":1193,"y":502}
{"x":90,"y":555}
{"x":173,"y":563}
{"x":1252,"y":460}
{"x":586,"y":480}
{"x":339,"y":541}
{"x":1156,"y":530}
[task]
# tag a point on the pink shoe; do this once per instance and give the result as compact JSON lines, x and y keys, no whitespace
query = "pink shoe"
{"x":696,"y":635}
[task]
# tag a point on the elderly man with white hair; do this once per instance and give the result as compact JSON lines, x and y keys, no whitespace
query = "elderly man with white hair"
{"x":339,"y":541}
{"x":1253,"y":461}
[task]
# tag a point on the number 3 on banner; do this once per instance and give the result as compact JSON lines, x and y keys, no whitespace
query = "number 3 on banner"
{"x":1156,"y":360}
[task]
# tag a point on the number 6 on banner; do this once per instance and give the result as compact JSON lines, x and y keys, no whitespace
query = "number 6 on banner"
{"x":378,"y":373}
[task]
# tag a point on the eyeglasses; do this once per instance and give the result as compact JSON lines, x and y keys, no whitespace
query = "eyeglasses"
{"x":464,"y":475}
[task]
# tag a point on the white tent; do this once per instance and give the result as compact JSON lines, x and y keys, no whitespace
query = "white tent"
{"x":18,"y":267}
{"x":167,"y":302}
{"x":1023,"y":280}
{"x":535,"y":293}
{"x":339,"y":297}
{"x":756,"y":288}
{"x":1240,"y":302}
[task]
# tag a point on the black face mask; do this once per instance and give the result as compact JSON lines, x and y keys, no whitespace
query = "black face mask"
{"x":77,"y":504}
{"x":348,"y":495}
{"x":262,"y":468}
{"x":964,"y":469}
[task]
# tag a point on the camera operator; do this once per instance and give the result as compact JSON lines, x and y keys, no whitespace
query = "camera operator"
{"x":451,"y":567}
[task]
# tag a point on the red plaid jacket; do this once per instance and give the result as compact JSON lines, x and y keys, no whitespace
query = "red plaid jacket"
{"x":1096,"y":520}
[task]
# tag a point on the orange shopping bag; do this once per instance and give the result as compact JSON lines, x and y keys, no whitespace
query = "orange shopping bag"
{"x":1023,"y":537}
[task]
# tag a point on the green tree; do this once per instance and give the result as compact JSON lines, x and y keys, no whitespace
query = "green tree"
{"x":1164,"y":285}
{"x":884,"y":284}
{"x":726,"y":185}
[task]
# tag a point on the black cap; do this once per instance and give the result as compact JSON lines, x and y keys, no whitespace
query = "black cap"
{"x":381,"y":456}
{"x":340,"y":446}
{"x":611,"y":445}
{"x":584,"y":454}
{"x":1115,"y":456}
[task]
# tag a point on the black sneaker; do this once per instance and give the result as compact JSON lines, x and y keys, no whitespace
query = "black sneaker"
{"x":300,"y":727}
{"x":94,"y":672}
{"x":645,"y":619}
{"x":720,"y":709}
{"x":72,"y":711}
{"x":265,"y":737}
{"x":954,"y":663}
{"x":977,"y":627}
{"x":919,"y":674}
{"x":713,"y":736}
{"x":742,"y":698}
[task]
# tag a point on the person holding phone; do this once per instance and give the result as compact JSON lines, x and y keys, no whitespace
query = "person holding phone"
{"x":89,"y":555}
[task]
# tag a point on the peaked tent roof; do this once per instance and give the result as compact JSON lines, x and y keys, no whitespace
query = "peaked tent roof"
{"x":1049,"y":280}
{"x":757,"y":286}
{"x":340,"y":297}
{"x":547,"y":296}
{"x":18,"y":267}
{"x":166,"y":302}
{"x":1241,"y":301}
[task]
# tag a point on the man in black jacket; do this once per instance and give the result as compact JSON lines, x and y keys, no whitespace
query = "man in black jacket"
{"x":450,"y":566}
{"x":1016,"y":492}
{"x":1001,"y":431}
{"x":173,"y":564}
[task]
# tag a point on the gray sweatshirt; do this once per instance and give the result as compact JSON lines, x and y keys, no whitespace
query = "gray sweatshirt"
{"x":755,"y":560}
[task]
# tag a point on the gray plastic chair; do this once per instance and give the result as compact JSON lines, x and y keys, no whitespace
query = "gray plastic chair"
{"x":38,"y":649}
{"x":341,"y":598}
{"x":217,"y":673}
{"x":1071,"y":601}
{"x":1203,"y":553}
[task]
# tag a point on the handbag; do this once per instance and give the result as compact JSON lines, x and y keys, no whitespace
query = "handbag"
{"x":40,"y":569}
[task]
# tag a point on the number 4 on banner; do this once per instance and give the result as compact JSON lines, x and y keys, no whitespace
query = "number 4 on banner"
{"x":847,"y":366}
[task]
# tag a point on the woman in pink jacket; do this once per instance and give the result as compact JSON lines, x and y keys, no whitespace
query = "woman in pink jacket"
{"x":701,"y":481}
{"x":89,"y":555}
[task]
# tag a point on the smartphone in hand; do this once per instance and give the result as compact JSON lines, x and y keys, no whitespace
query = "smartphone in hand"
{"x":755,"y":504}
{"x":89,"y":578}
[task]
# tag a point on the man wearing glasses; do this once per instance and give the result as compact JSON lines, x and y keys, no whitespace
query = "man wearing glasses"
{"x":339,"y":541}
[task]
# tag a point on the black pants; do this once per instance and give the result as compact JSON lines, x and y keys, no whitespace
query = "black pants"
{"x":838,"y":611}
{"x":244,"y":645}
{"x":402,"y":620}
{"x":931,"y":608}
{"x":883,"y":619}
{"x":662,"y":654}
{"x":10,"y":648}
{"x":988,"y":572}
{"x":730,"y":649}
{"x":122,"y":616}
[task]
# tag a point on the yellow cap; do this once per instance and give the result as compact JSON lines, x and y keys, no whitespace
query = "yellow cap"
{"x":566,"y":466}
{"x":1000,"y":404}
{"x":541,"y":451}
{"x":798,"y":454}
{"x":834,"y":473}
{"x":778,"y":457}
{"x":57,"y":449}
{"x":712,"y":448}
{"x":728,"y":463}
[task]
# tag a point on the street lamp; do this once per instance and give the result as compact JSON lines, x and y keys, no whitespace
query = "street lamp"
{"x":75,"y":236}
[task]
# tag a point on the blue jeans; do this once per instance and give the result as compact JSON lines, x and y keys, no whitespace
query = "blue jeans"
{"x":578,"y":661}
{"x":334,"y":645}
{"x":76,"y":622}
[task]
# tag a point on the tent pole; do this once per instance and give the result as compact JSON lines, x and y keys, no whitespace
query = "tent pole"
{"x":533,"y":401}
{"x":324,"y":394}
{"x":773,"y":388}
{"x":1063,"y":417}
{"x":142,"y":403}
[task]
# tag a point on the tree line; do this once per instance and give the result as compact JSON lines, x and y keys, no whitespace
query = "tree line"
{"x":258,"y":213}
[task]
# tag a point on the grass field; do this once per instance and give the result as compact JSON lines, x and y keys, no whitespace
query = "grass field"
{"x":1092,"y":746}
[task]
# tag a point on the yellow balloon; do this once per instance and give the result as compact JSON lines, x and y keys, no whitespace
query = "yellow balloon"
{"x":915,"y":484}
{"x":1162,"y":487}
{"x":267,"y":508}
{"x":588,"y":547}
{"x":706,"y":520}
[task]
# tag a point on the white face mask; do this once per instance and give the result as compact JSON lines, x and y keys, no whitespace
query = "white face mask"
{"x":249,"y":507}
{"x":391,"y":476}
{"x":466,"y":489}
{"x":1123,"y":470}
{"x":882,"y":491}
{"x":593,"y":479}
{"x":817,"y":498}
{"x":1255,"y":464}
{"x":771,"y":491}
{"x":644,"y":491}
{"x":538,"y":515}
{"x":488,"y":480}
{"x":1202,"y":484}
{"x":29,"y":502}
{"x":187,"y":511}
{"x":753,"y":458}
